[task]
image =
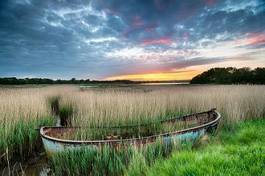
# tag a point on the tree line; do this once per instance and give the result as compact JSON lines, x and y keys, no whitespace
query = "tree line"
{"x":231,"y":75}
{"x":21,"y":81}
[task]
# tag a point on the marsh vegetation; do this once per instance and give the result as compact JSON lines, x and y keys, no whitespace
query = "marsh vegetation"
{"x":23,"y":110}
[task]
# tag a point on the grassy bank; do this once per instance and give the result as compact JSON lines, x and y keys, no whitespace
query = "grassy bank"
{"x":236,"y":150}
{"x":239,"y":151}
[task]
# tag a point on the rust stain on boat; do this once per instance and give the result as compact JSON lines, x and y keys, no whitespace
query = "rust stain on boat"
{"x":53,"y":137}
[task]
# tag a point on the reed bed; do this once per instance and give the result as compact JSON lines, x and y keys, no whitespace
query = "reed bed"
{"x":144,"y":105}
{"x":108,"y":107}
{"x":112,"y":161}
{"x":103,"y":106}
{"x":22,"y":110}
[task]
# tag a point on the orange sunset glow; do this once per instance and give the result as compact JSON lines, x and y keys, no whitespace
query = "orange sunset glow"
{"x":162,"y":76}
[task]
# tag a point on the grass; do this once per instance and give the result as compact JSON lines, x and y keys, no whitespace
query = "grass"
{"x":22,"y":112}
{"x":237,"y":152}
{"x":22,"y":141}
{"x":106,"y":161}
{"x":53,"y":101}
{"x":108,"y":107}
{"x":109,"y":160}
{"x":65,"y":113}
{"x":123,"y":106}
{"x":22,"y":109}
{"x":125,"y":132}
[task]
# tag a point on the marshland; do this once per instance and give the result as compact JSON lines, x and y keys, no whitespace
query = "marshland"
{"x":132,"y":88}
{"x":24,"y":109}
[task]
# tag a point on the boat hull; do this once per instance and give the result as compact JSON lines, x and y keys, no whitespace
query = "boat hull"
{"x":54,"y":145}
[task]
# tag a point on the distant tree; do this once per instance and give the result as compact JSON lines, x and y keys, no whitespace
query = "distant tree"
{"x":15,"y":81}
{"x":259,"y":74}
{"x":231,"y":75}
{"x":73,"y":80}
{"x":242,"y":75}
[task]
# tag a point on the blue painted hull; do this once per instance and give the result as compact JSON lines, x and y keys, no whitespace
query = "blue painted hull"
{"x":54,"y":145}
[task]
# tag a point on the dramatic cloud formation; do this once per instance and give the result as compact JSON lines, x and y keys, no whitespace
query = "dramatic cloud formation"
{"x":134,"y":39}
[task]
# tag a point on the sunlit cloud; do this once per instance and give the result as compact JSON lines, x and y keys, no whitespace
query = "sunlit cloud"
{"x":252,"y":39}
{"x":150,"y":55}
{"x":101,"y":40}
{"x":233,"y":48}
{"x":160,"y":41}
{"x":210,"y":49}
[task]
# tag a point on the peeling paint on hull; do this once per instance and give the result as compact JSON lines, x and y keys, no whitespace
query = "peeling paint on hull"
{"x":52,"y":147}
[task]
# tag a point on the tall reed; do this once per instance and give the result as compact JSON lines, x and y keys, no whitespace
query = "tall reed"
{"x":106,"y":107}
{"x":22,"y":112}
{"x":108,"y":160}
{"x":24,"y":109}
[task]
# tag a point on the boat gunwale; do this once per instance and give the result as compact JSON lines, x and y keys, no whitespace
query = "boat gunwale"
{"x":133,"y":140}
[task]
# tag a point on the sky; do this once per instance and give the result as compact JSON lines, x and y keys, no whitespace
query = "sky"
{"x":129,"y":39}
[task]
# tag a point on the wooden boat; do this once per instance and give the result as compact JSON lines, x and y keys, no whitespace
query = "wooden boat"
{"x":204,"y":122}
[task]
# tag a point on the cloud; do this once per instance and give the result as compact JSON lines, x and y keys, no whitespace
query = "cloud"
{"x":252,"y":39}
{"x":79,"y":12}
{"x":101,"y":38}
{"x":160,"y":41}
{"x":149,"y":55}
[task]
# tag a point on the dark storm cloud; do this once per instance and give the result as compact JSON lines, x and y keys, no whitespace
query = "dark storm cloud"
{"x":60,"y":38}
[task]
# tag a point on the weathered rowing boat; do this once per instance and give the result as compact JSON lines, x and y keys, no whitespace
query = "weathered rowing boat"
{"x":204,"y":122}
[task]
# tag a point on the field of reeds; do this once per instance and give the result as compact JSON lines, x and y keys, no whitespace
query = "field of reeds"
{"x":24,"y":109}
